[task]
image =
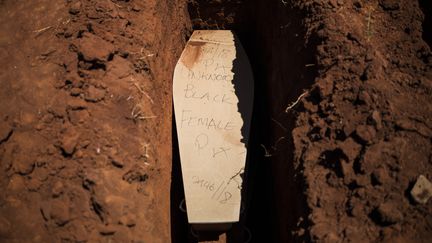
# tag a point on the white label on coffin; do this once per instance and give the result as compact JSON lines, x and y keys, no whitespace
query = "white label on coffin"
{"x":213,"y":93}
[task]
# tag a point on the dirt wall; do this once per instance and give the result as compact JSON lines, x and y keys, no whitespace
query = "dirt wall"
{"x":86,"y":119}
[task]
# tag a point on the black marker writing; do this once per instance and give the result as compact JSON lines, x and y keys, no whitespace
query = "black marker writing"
{"x":201,"y":141}
{"x":199,"y":76}
{"x":207,"y":122}
{"x":208,"y":63}
{"x":223,"y":67}
{"x":227,"y":196}
{"x":220,"y":150}
{"x":190,"y":92}
{"x":220,"y":194}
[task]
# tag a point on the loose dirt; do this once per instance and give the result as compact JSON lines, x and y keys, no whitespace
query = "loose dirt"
{"x":363,"y":133}
{"x":341,"y":125}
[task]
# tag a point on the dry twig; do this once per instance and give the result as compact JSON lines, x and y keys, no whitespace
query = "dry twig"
{"x":143,"y":92}
{"x":295,"y":102}
{"x":277,"y":142}
{"x":267,"y":154}
{"x":41,"y":31}
{"x":137,"y":114}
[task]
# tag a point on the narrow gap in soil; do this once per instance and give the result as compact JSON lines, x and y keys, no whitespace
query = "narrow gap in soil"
{"x":282,"y":59}
{"x":426,"y":7}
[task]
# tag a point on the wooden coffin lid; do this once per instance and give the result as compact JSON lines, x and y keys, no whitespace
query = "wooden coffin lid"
{"x":213,"y":96}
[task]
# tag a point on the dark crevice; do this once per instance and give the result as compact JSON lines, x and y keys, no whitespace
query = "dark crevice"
{"x":135,"y":174}
{"x":97,"y":209}
{"x":7,"y":137}
{"x":357,"y":165}
{"x":333,"y":160}
{"x":93,"y":64}
{"x":66,"y":154}
{"x":426,"y":7}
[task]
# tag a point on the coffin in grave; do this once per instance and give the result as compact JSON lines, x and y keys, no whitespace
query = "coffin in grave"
{"x":213,"y":96}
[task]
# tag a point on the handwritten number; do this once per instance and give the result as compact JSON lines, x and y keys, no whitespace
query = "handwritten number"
{"x":227,"y":196}
{"x":223,"y":182}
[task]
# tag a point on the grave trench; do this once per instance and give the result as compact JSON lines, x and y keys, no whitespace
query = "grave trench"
{"x":426,"y":7}
{"x":282,"y":57}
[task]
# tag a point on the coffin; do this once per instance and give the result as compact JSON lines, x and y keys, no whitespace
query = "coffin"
{"x":213,"y":96}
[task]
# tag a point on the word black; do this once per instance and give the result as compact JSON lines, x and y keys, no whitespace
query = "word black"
{"x":191,"y":93}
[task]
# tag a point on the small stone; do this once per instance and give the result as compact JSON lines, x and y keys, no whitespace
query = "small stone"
{"x":75,"y":8}
{"x":422,"y":190}
{"x":365,"y":133}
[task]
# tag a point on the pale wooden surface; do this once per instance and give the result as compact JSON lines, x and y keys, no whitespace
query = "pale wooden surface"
{"x":213,"y":73}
